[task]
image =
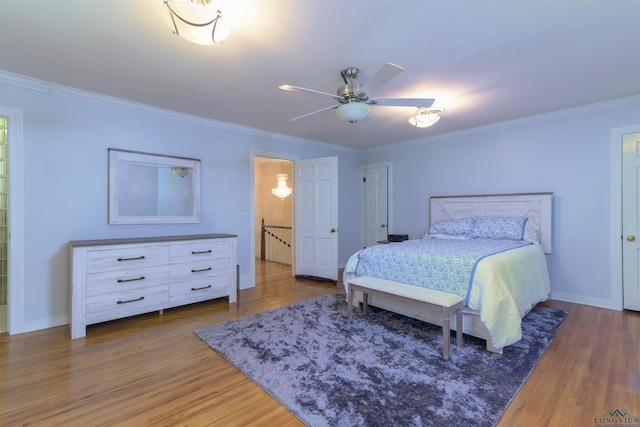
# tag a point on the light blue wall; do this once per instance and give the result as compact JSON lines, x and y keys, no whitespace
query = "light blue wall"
{"x":568,"y":155}
{"x":65,"y":146}
{"x":65,"y":198}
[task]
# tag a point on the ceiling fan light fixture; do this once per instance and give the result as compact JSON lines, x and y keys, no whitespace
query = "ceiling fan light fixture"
{"x":352,"y":112}
{"x":426,"y":117}
{"x":198,"y":21}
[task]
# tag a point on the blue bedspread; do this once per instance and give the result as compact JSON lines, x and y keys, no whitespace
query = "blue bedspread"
{"x":445,"y":265}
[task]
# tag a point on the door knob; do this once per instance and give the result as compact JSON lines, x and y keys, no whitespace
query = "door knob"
{"x":333,"y":230}
{"x":631,"y":237}
{"x":383,"y":225}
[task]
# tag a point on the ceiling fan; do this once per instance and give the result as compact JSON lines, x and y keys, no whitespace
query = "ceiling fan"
{"x":354,"y":98}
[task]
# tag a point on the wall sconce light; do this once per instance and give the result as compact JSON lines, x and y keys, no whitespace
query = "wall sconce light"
{"x":426,"y":117}
{"x":197,"y":21}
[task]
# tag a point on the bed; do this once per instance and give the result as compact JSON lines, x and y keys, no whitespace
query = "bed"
{"x":501,"y":276}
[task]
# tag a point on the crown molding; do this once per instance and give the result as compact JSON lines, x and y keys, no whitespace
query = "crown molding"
{"x":69,"y":92}
{"x":82,"y":95}
{"x":554,"y":115}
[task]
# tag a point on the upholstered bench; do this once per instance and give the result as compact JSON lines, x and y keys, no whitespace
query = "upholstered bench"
{"x":430,"y":299}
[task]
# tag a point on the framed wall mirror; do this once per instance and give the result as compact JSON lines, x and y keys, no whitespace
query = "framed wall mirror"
{"x":149,"y":188}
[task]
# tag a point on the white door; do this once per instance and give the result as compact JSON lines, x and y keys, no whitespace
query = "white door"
{"x":375,"y":204}
{"x":316,"y":218}
{"x":631,"y":219}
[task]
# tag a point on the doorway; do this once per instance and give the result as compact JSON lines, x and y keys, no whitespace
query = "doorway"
{"x":619,"y":233}
{"x":273,"y":216}
{"x":14,"y":186}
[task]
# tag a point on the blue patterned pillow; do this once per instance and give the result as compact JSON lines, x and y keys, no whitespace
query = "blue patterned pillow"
{"x":499,"y":227}
{"x":453,"y":227}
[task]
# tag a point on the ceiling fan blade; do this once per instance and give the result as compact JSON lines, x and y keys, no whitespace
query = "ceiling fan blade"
{"x":402,"y":102}
{"x":382,"y":76}
{"x":314,"y":112}
{"x":311,"y":91}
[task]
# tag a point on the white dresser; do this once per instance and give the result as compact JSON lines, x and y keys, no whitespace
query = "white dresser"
{"x":116,"y":278}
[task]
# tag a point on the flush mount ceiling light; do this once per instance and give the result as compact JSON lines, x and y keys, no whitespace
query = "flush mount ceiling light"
{"x":353,"y":111}
{"x":426,"y":117}
{"x":198,"y":21}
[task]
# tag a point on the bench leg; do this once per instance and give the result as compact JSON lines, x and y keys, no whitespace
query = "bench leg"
{"x":446,"y":331}
{"x":365,"y":303}
{"x":459,"y":327}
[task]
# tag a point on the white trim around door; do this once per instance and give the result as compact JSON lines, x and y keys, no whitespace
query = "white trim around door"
{"x":250,"y":280}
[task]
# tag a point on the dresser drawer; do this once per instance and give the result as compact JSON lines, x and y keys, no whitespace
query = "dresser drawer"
{"x":199,"y":290}
{"x":126,"y":257}
{"x":196,"y":270}
{"x":101,"y":308}
{"x":122,"y":280}
{"x":199,"y":250}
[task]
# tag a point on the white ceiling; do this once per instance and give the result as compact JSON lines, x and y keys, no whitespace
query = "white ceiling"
{"x":486,"y":62}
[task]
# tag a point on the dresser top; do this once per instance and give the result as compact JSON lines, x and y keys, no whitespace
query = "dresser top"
{"x":133,"y":240}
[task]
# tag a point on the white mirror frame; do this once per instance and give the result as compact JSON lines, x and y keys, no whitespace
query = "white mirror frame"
{"x":119,"y":157}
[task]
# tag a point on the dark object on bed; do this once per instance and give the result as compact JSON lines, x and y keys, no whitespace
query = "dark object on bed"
{"x":397,"y":237}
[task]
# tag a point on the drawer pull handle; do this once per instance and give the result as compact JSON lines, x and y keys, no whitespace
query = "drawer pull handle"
{"x":131,"y":259}
{"x":130,"y":280}
{"x":201,"y":270}
{"x":201,"y":252}
{"x":199,"y":289}
{"x":131,"y":300}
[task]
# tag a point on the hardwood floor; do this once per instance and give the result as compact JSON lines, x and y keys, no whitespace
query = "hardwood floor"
{"x":152,"y":369}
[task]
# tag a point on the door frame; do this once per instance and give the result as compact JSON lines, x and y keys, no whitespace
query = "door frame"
{"x":389,"y":166}
{"x":250,"y":282}
{"x":616,"y":214}
{"x":15,"y":168}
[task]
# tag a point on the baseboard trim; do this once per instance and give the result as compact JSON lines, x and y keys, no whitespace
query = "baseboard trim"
{"x":577,"y":299}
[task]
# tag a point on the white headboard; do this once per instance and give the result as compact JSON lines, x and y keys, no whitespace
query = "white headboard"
{"x":536,"y":206}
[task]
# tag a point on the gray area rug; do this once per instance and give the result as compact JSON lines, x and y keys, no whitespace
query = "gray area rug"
{"x":385,"y":370}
